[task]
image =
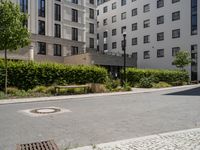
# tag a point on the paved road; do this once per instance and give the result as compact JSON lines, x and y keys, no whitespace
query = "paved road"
{"x":101,"y":119}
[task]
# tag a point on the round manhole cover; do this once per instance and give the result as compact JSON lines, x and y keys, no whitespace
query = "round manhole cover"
{"x":45,"y":110}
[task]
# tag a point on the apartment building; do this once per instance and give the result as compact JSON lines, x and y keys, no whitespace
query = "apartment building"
{"x":59,"y":28}
{"x":156,"y":30}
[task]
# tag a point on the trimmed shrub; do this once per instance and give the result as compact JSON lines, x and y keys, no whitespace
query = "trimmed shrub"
{"x":169,"y":76}
{"x":146,"y":82}
{"x":27,"y":75}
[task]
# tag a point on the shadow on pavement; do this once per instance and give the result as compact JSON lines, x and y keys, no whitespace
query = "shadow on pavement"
{"x":190,"y":92}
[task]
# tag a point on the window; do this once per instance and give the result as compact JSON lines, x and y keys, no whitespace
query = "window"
{"x":91,"y":42}
{"x":123,"y":15}
{"x":123,"y":29}
{"x":41,"y":27}
{"x":74,"y":34}
{"x":176,"y":33}
{"x":123,"y":2}
{"x":134,"y":12}
{"x":105,"y":9}
{"x":147,"y":39}
{"x":160,"y":3}
{"x":194,"y":20}
{"x":57,"y":30}
{"x":146,"y":23}
{"x":24,"y":6}
{"x":74,"y":50}
{"x":176,"y":16}
{"x":91,"y":1}
{"x":134,"y":41}
{"x":91,"y":28}
{"x":57,"y":50}
{"x":114,"y":5}
{"x":146,"y":55}
{"x":57,"y":12}
{"x":175,"y":1}
{"x":97,"y":36}
{"x":97,"y":12}
{"x":74,"y":15}
{"x":146,"y":8}
{"x":114,"y":19}
{"x":105,"y":34}
{"x":160,"y":53}
{"x":160,"y":20}
{"x":75,"y":1}
{"x":160,"y":36}
{"x":91,"y":13}
{"x":114,"y":32}
{"x":41,"y":8}
{"x":134,"y":26}
{"x":175,"y":50}
{"x":42,"y":48}
{"x":105,"y":47}
{"x":114,"y":45}
{"x":97,"y":24}
{"x":105,"y":22}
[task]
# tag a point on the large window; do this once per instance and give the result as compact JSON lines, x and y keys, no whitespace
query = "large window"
{"x":41,"y":27}
{"x":74,"y":15}
{"x":91,"y":42}
{"x":91,"y":30}
{"x":24,"y":6}
{"x":57,"y":50}
{"x":194,"y":20}
{"x":75,"y":34}
{"x":57,"y":30}
{"x":91,"y":13}
{"x":42,"y":48}
{"x":74,"y":50}
{"x":41,"y":8}
{"x":57,"y":12}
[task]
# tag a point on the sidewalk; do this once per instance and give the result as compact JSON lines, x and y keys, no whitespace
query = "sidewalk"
{"x":53,"y":98}
{"x":181,"y":140}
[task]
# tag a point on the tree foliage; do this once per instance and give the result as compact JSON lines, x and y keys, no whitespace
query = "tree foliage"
{"x":14,"y":34}
{"x":182,"y":59}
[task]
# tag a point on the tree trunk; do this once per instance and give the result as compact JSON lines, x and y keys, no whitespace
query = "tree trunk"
{"x":6,"y":72}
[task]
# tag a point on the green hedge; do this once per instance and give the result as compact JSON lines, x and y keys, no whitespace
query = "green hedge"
{"x":169,"y":76}
{"x":27,"y":75}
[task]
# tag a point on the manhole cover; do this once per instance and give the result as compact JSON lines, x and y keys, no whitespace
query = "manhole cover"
{"x":45,"y":110}
{"x":44,"y":145}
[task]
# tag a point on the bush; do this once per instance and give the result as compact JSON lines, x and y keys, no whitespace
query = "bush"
{"x":169,"y":76}
{"x":27,"y":75}
{"x":161,"y":85}
{"x":145,"y":82}
{"x":112,"y":84}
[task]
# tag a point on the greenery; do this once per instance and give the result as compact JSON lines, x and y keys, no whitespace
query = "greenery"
{"x":13,"y":33}
{"x":28,"y":75}
{"x":146,"y":82}
{"x":182,"y":59}
{"x":169,"y":76}
{"x":161,"y":85}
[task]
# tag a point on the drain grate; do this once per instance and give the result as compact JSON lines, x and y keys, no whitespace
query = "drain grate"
{"x":44,"y":145}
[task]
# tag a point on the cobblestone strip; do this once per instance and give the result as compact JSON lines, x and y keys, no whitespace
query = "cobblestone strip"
{"x":181,"y":140}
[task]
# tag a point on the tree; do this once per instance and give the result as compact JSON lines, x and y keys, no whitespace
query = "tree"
{"x":182,"y":59}
{"x":13,"y":33}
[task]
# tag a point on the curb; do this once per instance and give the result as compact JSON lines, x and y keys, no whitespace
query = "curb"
{"x":103,"y":146}
{"x":54,"y":98}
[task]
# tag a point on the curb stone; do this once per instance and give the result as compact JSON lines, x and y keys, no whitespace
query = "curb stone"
{"x":53,"y":98}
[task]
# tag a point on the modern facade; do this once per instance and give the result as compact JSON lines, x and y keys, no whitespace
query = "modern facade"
{"x":156,"y":30}
{"x":60,"y":27}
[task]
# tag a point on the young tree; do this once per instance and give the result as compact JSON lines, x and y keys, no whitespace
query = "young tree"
{"x":13,"y":34}
{"x":182,"y":59}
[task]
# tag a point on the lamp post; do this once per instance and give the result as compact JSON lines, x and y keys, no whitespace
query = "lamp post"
{"x":124,"y":49}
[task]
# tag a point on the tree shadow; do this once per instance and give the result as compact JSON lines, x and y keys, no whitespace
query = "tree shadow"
{"x":190,"y":92}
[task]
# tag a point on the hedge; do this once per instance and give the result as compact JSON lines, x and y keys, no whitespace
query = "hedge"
{"x":27,"y":75}
{"x":169,"y":76}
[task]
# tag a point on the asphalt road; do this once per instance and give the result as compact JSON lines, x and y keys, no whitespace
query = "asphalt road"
{"x":101,"y":119}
